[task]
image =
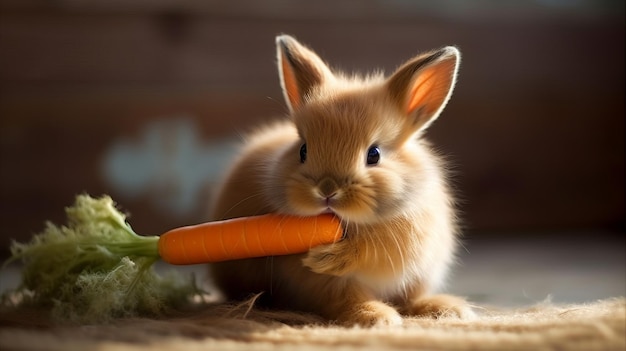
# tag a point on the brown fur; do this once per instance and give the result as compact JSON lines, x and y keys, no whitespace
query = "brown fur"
{"x":398,"y":214}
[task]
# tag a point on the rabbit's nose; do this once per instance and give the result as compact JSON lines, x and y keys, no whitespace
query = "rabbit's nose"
{"x":327,"y":187}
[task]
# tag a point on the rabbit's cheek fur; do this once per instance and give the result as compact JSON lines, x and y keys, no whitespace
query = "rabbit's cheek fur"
{"x":301,"y":196}
{"x":360,"y":199}
{"x":391,"y":191}
{"x":351,"y":200}
{"x":355,"y":200}
{"x":377,"y":193}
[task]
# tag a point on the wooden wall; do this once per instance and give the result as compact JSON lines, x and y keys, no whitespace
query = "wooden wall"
{"x":135,"y":99}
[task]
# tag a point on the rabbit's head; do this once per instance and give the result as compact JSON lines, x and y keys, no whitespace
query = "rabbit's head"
{"x":359,"y":153}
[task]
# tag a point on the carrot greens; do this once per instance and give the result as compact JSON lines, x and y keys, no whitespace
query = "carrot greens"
{"x":95,"y":268}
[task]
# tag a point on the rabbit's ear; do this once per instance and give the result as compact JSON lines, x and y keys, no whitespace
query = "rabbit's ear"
{"x":300,"y":69}
{"x":422,"y":86}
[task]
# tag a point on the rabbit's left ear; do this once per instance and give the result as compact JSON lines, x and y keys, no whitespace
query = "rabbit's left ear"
{"x":422,"y":86}
{"x":300,"y":69}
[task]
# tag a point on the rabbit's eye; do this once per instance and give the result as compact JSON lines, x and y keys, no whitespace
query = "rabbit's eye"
{"x":303,"y":153}
{"x":373,"y":155}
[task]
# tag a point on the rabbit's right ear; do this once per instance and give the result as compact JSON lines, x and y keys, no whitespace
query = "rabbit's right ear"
{"x":300,"y":69}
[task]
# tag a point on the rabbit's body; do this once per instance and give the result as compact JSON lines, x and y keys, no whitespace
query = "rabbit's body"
{"x":351,"y":147}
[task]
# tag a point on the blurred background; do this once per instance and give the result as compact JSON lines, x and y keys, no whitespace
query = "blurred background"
{"x":145,"y":100}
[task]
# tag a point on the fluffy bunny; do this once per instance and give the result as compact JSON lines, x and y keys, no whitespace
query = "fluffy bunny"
{"x":351,"y":146}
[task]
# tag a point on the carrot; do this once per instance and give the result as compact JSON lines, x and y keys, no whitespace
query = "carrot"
{"x":247,"y":237}
{"x":96,"y":267}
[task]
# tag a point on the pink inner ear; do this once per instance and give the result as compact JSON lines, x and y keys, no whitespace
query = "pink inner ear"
{"x":431,"y":87}
{"x":289,"y":80}
{"x":422,"y":92}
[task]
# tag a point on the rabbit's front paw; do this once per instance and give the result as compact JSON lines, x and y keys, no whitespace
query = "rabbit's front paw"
{"x":332,"y":259}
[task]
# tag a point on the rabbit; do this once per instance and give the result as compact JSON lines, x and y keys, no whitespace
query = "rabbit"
{"x":351,"y":146}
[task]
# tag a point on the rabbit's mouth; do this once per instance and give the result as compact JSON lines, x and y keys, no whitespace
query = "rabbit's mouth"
{"x":328,"y":210}
{"x":339,"y":207}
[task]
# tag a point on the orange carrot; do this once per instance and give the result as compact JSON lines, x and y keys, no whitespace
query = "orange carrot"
{"x":76,"y":267}
{"x":247,"y":237}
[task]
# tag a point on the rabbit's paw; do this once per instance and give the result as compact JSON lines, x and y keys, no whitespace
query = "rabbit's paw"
{"x":441,"y":306}
{"x":369,"y":314}
{"x":332,"y":259}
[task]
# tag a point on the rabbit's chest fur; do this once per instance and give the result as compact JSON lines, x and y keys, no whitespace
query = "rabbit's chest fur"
{"x":418,"y":254}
